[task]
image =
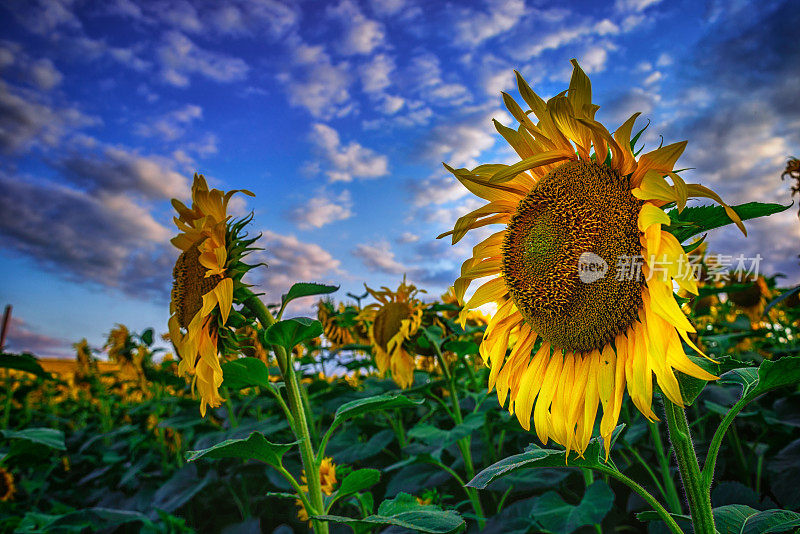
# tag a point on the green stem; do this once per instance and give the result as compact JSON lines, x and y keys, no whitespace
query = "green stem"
{"x":697,"y":494}
{"x":644,"y":494}
{"x":647,"y":468}
{"x":301,"y":429}
{"x":716,"y":443}
{"x":229,"y":407}
{"x":669,"y":490}
{"x":464,"y":444}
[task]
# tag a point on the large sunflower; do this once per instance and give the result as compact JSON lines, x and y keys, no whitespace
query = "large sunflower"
{"x":202,"y":292}
{"x":578,"y":197}
{"x":394,"y":319}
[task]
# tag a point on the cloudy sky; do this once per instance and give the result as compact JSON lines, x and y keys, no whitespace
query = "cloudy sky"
{"x":337,"y":115}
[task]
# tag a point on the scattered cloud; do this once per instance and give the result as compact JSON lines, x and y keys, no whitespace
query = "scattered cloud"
{"x":461,"y":143}
{"x":322,"y":209}
{"x":289,"y":261}
{"x":378,"y":257}
{"x":475,"y":26}
{"x":179,"y":57}
{"x":103,"y":237}
{"x":27,"y":120}
{"x":172,"y":125}
{"x":408,"y":237}
{"x":115,"y":170}
{"x":361,"y":34}
{"x":316,"y":83}
{"x":349,"y":161}
{"x":22,"y":337}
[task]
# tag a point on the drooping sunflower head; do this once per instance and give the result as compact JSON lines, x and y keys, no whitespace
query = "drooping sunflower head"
{"x":335,"y":333}
{"x":7,"y":488}
{"x":394,"y":319}
{"x":206,"y":275}
{"x":117,"y":343}
{"x":327,"y":481}
{"x":751,"y":298}
{"x":578,"y":207}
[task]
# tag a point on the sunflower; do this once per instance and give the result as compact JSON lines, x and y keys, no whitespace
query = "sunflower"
{"x":206,"y":274}
{"x":327,"y":480}
{"x":751,"y":299}
{"x":578,"y":197}
{"x":336,"y":334}
{"x":7,"y":488}
{"x":394,"y":319}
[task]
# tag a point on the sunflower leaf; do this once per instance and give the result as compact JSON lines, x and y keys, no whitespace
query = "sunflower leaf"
{"x":291,"y":332}
{"x":245,"y":373}
{"x":254,"y":447}
{"x":742,"y":519}
{"x":696,"y":220}
{"x":535,"y":457}
{"x":404,"y":511}
{"x":49,"y":437}
{"x":23,"y":362}
{"x":304,"y":289}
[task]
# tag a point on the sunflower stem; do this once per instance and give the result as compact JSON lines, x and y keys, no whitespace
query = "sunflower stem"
{"x":464,"y":444}
{"x":697,"y":494}
{"x":301,"y":430}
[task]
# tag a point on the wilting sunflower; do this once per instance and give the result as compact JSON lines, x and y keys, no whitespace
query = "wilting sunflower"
{"x":751,"y":299}
{"x":7,"y":488}
{"x":578,"y":197}
{"x":394,"y":319}
{"x":335,"y":333}
{"x":206,"y":274}
{"x":327,"y":480}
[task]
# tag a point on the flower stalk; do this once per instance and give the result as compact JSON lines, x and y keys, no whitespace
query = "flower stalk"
{"x":697,"y":495}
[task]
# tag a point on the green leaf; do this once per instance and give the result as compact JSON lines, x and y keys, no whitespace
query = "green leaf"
{"x":741,"y":519}
{"x":356,"y":481}
{"x":404,"y":511}
{"x":442,"y":438}
{"x":771,"y":374}
{"x":245,"y":373}
{"x":291,"y":332}
{"x":305,"y":289}
{"x":691,"y":386}
{"x":49,"y":437}
{"x":555,"y":515}
{"x":535,"y":456}
{"x":462,"y":348}
{"x":147,"y":337}
{"x":696,"y":220}
{"x":254,"y":447}
{"x":23,"y":362}
{"x":358,"y":407}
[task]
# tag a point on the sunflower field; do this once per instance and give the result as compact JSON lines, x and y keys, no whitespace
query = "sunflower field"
{"x":542,"y":393}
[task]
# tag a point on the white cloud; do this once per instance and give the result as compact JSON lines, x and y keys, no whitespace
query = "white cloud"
{"x":347,"y":161}
{"x":436,"y":190}
{"x":179,"y":57}
{"x":634,"y":6}
{"x":172,"y":125}
{"x":460,"y":144}
{"x":116,"y":170}
{"x":361,"y":34}
{"x":316,"y":83}
{"x":376,"y":73}
{"x":476,"y":26}
{"x":290,"y":261}
{"x":322,"y":209}
{"x":408,"y":237}
{"x":26,"y":121}
{"x":379,"y":257}
{"x":388,"y":7}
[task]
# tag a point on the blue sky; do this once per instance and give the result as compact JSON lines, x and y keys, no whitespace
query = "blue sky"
{"x":338,"y":116}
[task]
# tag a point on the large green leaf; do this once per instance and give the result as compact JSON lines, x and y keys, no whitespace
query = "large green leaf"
{"x":742,"y":519}
{"x":49,"y":437}
{"x":305,"y":289}
{"x":691,"y":386}
{"x":254,"y":447}
{"x":558,"y":517}
{"x":356,"y":481}
{"x":435,"y":436}
{"x":358,"y":407}
{"x":771,"y":374}
{"x":291,"y":332}
{"x":535,"y":456}
{"x":23,"y":362}
{"x":245,"y":373}
{"x":695,"y":220}
{"x":404,"y":511}
{"x":93,"y":519}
